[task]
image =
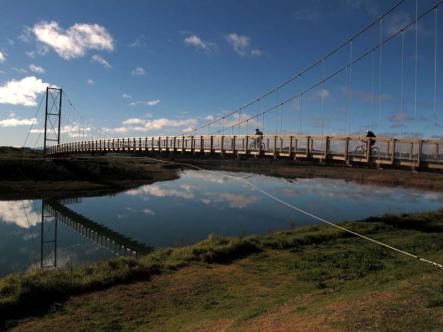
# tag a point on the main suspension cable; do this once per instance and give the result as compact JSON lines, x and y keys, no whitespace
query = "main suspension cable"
{"x":307,"y":69}
{"x":356,"y":60}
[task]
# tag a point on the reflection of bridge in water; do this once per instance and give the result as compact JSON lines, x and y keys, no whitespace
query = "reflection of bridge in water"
{"x":54,"y":212}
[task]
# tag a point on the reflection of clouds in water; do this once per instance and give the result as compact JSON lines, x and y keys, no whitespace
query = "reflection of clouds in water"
{"x":206,"y":176}
{"x":234,"y":200}
{"x":157,"y":191}
{"x":14,"y":212}
{"x":148,"y":212}
{"x":194,"y":193}
{"x":339,"y":189}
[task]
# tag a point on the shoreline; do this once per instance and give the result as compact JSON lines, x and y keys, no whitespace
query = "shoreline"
{"x":37,"y":177}
{"x":280,"y":168}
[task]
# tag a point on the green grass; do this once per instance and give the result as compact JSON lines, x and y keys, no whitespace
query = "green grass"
{"x":315,"y":259}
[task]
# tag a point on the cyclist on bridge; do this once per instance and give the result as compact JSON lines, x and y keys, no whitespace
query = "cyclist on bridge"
{"x":257,"y":143}
{"x":258,"y":132}
{"x":370,"y":138}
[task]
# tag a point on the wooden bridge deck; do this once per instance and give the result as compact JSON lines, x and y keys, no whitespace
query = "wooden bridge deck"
{"x":396,"y":152}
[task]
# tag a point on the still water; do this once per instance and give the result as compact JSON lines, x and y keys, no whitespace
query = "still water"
{"x":184,"y":211}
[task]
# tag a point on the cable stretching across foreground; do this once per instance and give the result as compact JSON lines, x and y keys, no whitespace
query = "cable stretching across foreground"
{"x":252,"y":185}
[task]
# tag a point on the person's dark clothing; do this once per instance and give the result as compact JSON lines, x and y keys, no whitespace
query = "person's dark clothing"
{"x":371,"y":137}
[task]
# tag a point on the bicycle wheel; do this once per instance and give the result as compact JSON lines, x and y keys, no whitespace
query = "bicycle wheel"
{"x":375,"y":151}
{"x":252,"y":146}
{"x":360,"y":150}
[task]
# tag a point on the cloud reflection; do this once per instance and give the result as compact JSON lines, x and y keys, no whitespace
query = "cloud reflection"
{"x":20,"y":213}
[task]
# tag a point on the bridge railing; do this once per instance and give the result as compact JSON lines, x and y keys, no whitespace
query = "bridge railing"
{"x":386,"y":150}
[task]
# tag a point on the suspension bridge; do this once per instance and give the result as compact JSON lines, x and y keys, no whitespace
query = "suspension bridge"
{"x":385,"y":77}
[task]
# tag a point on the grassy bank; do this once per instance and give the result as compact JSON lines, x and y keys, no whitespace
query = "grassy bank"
{"x":306,"y":270}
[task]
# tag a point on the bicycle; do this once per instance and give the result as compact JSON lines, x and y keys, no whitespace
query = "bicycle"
{"x":256,"y":144}
{"x":361,"y":150}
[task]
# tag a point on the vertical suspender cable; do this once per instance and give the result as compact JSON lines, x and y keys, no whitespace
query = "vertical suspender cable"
{"x":372,"y":81}
{"x":416,"y":60}
{"x":322,"y":95}
{"x":351,"y":45}
{"x":281,"y":120}
{"x":402,"y":83}
{"x":435,"y":69}
{"x":380,"y":73}
{"x":301,"y":114}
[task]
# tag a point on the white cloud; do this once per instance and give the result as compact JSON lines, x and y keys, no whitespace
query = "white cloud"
{"x":133,"y":121}
{"x":209,"y":118}
{"x":99,"y":59}
{"x":369,"y":6}
{"x":75,"y":130}
{"x":15,"y":122}
{"x":23,"y":92}
{"x":74,"y":41}
{"x":90,"y":82}
{"x":20,"y":70}
{"x":197,"y":42}
{"x":2,"y":57}
{"x":144,"y":125}
{"x":126,"y":96}
{"x":153,"y":102}
{"x":147,"y":103}
{"x":401,"y":118}
{"x":397,"y":21}
{"x":139,"y":42}
{"x":308,"y":14}
{"x":36,"y":69}
{"x":242,"y":45}
{"x":20,"y":213}
{"x":138,"y":71}
{"x":323,"y":93}
{"x":162,"y":123}
{"x":256,"y":52}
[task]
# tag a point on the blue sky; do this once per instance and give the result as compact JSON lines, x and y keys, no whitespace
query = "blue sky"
{"x":161,"y":67}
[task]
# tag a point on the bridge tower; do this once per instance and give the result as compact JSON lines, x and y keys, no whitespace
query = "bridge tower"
{"x":53,"y":113}
{"x":48,"y":238}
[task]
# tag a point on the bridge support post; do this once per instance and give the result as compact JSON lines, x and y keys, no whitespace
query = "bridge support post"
{"x":222,"y":145}
{"x":233,"y":147}
{"x":347,"y":160}
{"x":246,"y":145}
{"x":393,"y":152}
{"x":212,"y":144}
{"x":308,"y":145}
{"x":290,"y":148}
{"x":327,"y":141}
{"x":419,"y":153}
{"x":275,"y":147}
{"x":368,"y":153}
{"x":202,"y":144}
